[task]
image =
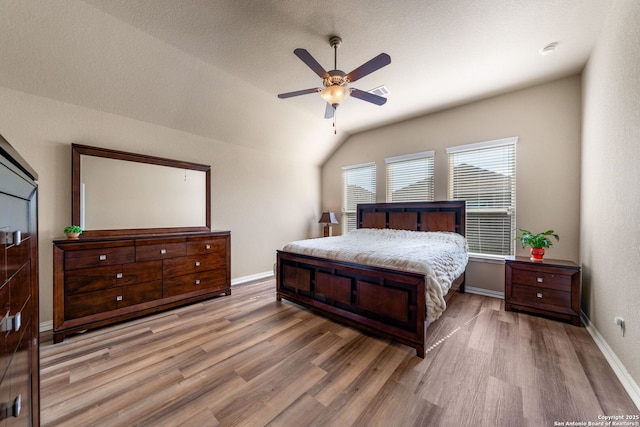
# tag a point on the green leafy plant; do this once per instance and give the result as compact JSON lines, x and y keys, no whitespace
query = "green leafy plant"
{"x":73,"y":229}
{"x":536,"y":241}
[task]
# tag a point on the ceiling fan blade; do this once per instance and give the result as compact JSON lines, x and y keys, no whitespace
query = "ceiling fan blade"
{"x":298,"y":93}
{"x":328,"y":111}
{"x":311,"y":62}
{"x":369,"y":67}
{"x":369,"y":97}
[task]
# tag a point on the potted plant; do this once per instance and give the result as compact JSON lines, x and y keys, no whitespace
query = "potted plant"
{"x":73,"y":231}
{"x":538,"y":242}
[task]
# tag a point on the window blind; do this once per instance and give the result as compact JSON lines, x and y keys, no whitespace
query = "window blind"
{"x":484,"y":174}
{"x":359,"y":186}
{"x":410,"y":177}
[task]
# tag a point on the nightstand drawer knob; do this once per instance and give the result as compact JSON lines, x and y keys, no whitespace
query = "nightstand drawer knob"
{"x":102,"y":257}
{"x":207,"y":246}
{"x":118,"y":275}
{"x":539,"y":294}
{"x":539,"y":279}
{"x":119,"y":298}
{"x":197,"y":263}
{"x":163,"y":251}
{"x":197,"y":281}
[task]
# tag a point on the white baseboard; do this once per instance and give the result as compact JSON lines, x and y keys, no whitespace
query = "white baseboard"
{"x":46,"y":326}
{"x":484,"y":292}
{"x":621,"y":372}
{"x":251,"y":278}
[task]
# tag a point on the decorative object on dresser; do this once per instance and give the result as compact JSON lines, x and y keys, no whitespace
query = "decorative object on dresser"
{"x":115,"y":274}
{"x":73,"y":231}
{"x":19,"y":319}
{"x":328,"y":218}
{"x":550,"y":288}
{"x":538,"y":242}
{"x":387,"y":302}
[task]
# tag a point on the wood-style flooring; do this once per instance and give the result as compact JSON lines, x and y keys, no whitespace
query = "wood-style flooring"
{"x":246,"y":359}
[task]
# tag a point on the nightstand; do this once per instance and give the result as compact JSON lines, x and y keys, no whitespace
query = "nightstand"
{"x":550,"y":288}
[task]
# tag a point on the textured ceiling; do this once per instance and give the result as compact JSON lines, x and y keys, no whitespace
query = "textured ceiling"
{"x":214,"y":67}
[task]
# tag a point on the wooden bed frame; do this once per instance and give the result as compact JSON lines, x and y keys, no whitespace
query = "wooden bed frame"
{"x":387,"y":303}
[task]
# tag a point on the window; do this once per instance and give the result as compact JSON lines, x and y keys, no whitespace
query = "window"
{"x":410,"y":177}
{"x":484,"y":174}
{"x":358,"y":186}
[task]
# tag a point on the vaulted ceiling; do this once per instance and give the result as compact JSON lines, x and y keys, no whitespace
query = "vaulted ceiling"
{"x":214,"y":67}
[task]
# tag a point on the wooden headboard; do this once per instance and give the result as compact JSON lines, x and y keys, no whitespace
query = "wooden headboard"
{"x":416,"y":216}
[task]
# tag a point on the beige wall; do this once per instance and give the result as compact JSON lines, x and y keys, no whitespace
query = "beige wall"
{"x":265,"y":200}
{"x":610,"y":229}
{"x":547,"y":121}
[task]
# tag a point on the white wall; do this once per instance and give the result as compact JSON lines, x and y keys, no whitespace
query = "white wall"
{"x":264,"y":199}
{"x":610,"y":228}
{"x":547,"y":121}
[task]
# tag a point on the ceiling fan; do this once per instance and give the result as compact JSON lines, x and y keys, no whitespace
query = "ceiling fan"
{"x":335,"y":81}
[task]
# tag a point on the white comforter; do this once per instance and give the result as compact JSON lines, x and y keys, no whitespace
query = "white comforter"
{"x":440,"y":256}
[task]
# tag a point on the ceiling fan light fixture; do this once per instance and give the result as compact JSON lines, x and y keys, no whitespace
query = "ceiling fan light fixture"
{"x":334,"y":94}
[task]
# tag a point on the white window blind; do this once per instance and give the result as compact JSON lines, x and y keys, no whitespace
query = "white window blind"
{"x":410,"y":177}
{"x":484,"y":174}
{"x":359,"y":186}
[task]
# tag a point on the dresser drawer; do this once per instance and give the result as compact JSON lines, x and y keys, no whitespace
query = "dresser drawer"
{"x":88,"y":303}
{"x":209,"y":280}
{"x":146,"y":251}
{"x":542,"y":279}
{"x":99,"y":257}
{"x":92,"y":279}
{"x":207,"y":245}
{"x":192,"y":264}
{"x":17,"y":255}
{"x":140,"y":293}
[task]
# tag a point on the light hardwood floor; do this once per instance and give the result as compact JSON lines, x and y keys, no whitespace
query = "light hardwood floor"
{"x":246,"y":359}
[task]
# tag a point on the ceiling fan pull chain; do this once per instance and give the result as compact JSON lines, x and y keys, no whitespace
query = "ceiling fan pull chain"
{"x":335,"y":130}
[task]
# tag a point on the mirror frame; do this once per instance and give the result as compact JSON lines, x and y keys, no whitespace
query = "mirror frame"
{"x":78,"y":150}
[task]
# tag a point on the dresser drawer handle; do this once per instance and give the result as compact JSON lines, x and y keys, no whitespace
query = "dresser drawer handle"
{"x":119,"y":298}
{"x":539,"y":279}
{"x":197,"y":281}
{"x":17,"y":406}
{"x":102,"y":257}
{"x":119,"y":276}
{"x":15,"y":322}
{"x":539,"y":294}
{"x":197,"y":263}
{"x":163,"y":251}
{"x":17,"y":237}
{"x":207,"y":246}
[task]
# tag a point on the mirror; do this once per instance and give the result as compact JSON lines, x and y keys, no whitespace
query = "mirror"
{"x":118,"y":193}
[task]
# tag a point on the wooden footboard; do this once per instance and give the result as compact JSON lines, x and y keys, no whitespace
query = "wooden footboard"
{"x":384,"y":302}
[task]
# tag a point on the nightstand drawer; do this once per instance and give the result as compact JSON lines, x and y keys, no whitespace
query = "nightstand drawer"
{"x":535,"y":296}
{"x":544,"y":280}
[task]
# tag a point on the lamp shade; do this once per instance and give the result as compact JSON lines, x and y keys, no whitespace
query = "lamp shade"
{"x":328,"y":218}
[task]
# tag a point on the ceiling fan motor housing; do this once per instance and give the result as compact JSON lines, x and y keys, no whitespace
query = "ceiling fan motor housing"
{"x":335,"y":77}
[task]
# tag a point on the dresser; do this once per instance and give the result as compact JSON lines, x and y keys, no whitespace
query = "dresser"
{"x":19,"y":366}
{"x":101,"y":281}
{"x":551,"y":288}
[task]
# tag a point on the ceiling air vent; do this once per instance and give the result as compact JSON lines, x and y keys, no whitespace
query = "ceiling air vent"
{"x":380,"y":91}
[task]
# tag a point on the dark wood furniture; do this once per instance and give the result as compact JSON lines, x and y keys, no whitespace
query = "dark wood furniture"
{"x":111,"y":275}
{"x":19,"y":338}
{"x":550,"y":288}
{"x":384,"y":302}
{"x":101,"y":281}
